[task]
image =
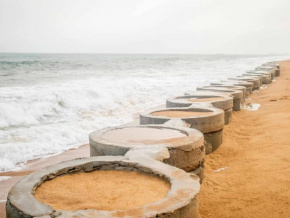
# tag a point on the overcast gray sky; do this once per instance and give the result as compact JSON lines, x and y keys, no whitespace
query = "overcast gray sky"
{"x":145,"y":26}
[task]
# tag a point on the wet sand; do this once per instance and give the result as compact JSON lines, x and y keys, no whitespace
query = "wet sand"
{"x":180,"y":114}
{"x":256,"y":154}
{"x":102,"y":190}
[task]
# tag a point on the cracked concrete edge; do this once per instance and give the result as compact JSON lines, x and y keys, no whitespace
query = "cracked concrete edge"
{"x":21,"y":202}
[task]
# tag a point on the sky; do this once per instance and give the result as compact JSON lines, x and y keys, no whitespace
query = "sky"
{"x":145,"y":26}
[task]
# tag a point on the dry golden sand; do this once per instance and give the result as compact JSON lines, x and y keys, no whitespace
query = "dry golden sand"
{"x":102,"y":190}
{"x":180,"y":114}
{"x":256,"y":150}
{"x":205,"y":99}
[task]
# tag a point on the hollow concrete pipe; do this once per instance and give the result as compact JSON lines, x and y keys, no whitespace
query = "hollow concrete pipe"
{"x":266,"y":77}
{"x":247,"y":85}
{"x":256,"y":77}
{"x":273,"y":70}
{"x":256,"y":82}
{"x":238,"y":96}
{"x":209,"y":121}
{"x":272,"y":64}
{"x":181,"y":199}
{"x":232,"y":87}
{"x":269,"y":67}
{"x":219,"y":100}
{"x":185,"y":145}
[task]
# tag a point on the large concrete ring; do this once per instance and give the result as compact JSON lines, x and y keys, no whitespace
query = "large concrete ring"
{"x":238,"y":96}
{"x":233,"y":87}
{"x":210,"y":125}
{"x":186,"y":152}
{"x":181,"y":200}
{"x":266,"y":77}
{"x":247,"y":85}
{"x":255,"y":81}
{"x":225,"y":104}
{"x":268,"y":69}
{"x":272,"y":65}
{"x":255,"y":77}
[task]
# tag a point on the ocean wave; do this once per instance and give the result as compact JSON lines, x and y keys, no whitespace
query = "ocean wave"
{"x":40,"y":116}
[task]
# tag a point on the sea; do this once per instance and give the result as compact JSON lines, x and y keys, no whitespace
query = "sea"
{"x":50,"y":103}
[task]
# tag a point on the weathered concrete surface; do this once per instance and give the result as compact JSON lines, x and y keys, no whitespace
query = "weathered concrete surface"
{"x":238,"y":95}
{"x":268,"y":70}
{"x":186,"y":153}
{"x":273,"y":70}
{"x":247,"y":85}
{"x":265,"y":77}
{"x":210,"y":125}
{"x":207,"y":123}
{"x":181,"y":200}
{"x":255,"y":81}
{"x":181,"y":101}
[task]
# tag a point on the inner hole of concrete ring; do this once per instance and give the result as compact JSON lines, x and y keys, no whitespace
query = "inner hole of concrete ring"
{"x":185,"y":145}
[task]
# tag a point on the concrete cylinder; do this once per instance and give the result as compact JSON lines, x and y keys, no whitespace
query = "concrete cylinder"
{"x":256,"y":81}
{"x":266,"y":77}
{"x":185,"y":145}
{"x":271,"y":70}
{"x":222,"y":101}
{"x":238,"y":96}
{"x":180,"y":201}
{"x":232,"y":87}
{"x":209,"y":121}
{"x":247,"y":85}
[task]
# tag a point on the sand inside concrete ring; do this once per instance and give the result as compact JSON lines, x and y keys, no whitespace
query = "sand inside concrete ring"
{"x":180,"y":113}
{"x":135,"y":135}
{"x":102,"y":190}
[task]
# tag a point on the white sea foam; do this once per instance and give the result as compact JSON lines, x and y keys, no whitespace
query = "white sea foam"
{"x":57,"y":104}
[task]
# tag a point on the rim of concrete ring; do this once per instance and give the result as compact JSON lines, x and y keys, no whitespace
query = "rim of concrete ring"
{"x":232,"y":87}
{"x":236,"y":82}
{"x":259,"y":72}
{"x":268,"y":70}
{"x":259,"y":75}
{"x":268,"y":75}
{"x":257,"y":78}
{"x":224,"y":104}
{"x":216,"y":112}
{"x":267,"y":67}
{"x":193,"y":136}
{"x":245,"y":78}
{"x":180,"y":182}
{"x":237,"y":94}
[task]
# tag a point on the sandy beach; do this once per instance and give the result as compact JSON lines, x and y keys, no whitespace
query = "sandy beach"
{"x":248,"y":176}
{"x":255,"y":159}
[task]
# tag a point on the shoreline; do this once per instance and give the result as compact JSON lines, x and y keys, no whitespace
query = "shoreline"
{"x":236,"y":133}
